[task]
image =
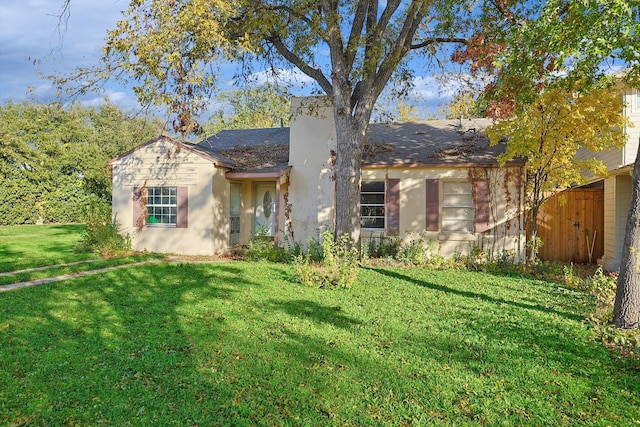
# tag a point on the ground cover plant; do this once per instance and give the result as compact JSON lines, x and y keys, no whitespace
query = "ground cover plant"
{"x":247,"y":344}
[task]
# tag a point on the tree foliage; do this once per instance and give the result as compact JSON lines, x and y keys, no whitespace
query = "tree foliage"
{"x":530,"y":45}
{"x":53,"y":160}
{"x":550,"y":131}
{"x":254,"y":107}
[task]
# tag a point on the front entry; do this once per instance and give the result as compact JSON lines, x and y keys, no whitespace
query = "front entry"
{"x":264,"y":223}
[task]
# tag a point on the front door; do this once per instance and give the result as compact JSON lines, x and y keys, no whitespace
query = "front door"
{"x":264,"y":223}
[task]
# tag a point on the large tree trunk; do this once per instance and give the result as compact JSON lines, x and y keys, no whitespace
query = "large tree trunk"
{"x":349,"y":144}
{"x":626,"y":311}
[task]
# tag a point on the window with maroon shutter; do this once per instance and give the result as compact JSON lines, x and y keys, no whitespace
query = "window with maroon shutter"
{"x":165,"y":207}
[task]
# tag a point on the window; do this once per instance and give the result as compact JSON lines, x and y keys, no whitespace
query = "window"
{"x":162,"y":205}
{"x":372,"y":209}
{"x":457,"y":207}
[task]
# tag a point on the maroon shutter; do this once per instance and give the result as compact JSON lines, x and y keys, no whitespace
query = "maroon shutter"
{"x":432,"y":211}
{"x":183,"y":207}
{"x":482,"y":206}
{"x":138,"y":207}
{"x":393,"y":206}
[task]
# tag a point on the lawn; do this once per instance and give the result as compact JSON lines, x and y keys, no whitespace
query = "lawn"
{"x":26,"y":246}
{"x":245,"y":344}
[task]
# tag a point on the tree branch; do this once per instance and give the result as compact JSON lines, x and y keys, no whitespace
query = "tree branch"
{"x":315,"y":73}
{"x":435,"y":40}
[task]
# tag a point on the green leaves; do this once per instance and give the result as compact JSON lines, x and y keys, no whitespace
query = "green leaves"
{"x":54,"y":160}
{"x":550,"y":131}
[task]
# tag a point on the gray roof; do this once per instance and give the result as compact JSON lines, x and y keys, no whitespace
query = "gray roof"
{"x":252,"y":150}
{"x":434,"y":142}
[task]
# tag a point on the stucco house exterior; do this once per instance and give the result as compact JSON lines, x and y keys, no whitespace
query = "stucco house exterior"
{"x":438,"y":178}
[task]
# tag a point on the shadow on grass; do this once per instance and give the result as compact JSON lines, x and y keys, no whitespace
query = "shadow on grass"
{"x":127,"y":336}
{"x":475,"y":295}
{"x":315,"y":312}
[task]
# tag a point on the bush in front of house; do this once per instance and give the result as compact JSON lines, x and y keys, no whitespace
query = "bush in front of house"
{"x":338,"y":267}
{"x":102,"y":235}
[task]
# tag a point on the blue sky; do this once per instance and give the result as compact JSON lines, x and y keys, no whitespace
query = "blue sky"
{"x":30,"y":33}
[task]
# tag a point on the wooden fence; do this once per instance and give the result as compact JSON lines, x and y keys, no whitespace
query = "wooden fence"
{"x":573,"y":230}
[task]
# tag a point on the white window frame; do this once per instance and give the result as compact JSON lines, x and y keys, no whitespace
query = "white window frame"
{"x":447,"y":205}
{"x":165,"y":211}
{"x":364,"y":206}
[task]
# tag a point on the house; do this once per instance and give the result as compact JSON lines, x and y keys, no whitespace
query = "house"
{"x":617,"y":186}
{"x":439,"y":178}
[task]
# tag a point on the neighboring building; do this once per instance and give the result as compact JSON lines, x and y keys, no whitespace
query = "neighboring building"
{"x":439,"y":178}
{"x":614,"y":198}
{"x":617,"y":186}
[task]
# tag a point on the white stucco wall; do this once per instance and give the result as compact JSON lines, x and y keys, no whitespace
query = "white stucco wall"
{"x":161,"y":164}
{"x":311,"y":188}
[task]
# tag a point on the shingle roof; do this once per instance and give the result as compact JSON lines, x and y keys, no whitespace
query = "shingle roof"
{"x":434,"y":142}
{"x":252,"y":150}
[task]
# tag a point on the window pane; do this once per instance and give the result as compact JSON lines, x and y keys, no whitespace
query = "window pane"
{"x":456,"y":188}
{"x":162,"y":205}
{"x":375,"y":199}
{"x":368,"y":222}
{"x":372,"y":186}
{"x":454,"y":200}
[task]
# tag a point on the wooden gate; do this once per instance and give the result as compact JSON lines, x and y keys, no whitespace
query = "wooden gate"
{"x":574,"y":230}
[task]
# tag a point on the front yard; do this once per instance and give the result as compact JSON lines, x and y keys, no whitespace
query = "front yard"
{"x":245,"y":344}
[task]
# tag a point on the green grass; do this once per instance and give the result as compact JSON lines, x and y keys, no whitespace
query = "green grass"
{"x":245,"y":344}
{"x":26,"y":246}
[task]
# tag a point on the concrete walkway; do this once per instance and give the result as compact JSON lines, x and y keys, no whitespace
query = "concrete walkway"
{"x":37,"y":282}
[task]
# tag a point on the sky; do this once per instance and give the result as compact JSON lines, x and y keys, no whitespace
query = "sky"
{"x":33,"y":40}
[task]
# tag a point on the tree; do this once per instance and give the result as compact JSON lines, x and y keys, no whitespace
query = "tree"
{"x":465,"y":104}
{"x":549,"y":132}
{"x":53,"y":160}
{"x":530,"y":45}
{"x":254,"y":107}
{"x":170,"y":49}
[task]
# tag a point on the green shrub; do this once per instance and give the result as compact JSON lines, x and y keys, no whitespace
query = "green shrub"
{"x":339,"y":266}
{"x":383,"y":246}
{"x":415,"y":251}
{"x":262,"y":248}
{"x":102,"y":234}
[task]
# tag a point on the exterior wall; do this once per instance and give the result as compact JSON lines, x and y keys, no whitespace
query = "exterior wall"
{"x":614,"y":159}
{"x":632,"y":110}
{"x":161,"y":164}
{"x":617,"y":193}
{"x":311,"y":188}
{"x":506,"y":226}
